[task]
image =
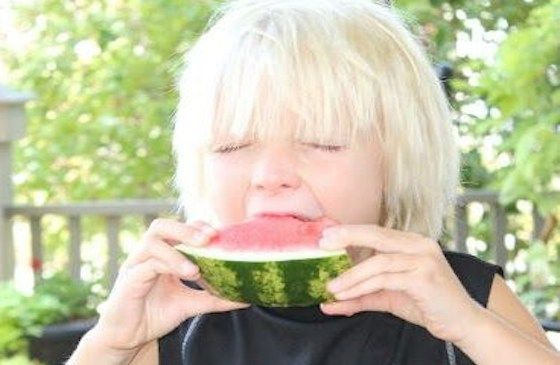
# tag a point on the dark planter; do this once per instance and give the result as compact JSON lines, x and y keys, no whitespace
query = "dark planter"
{"x":58,"y":341}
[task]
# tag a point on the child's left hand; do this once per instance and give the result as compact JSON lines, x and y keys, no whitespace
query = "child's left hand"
{"x":407,"y":276}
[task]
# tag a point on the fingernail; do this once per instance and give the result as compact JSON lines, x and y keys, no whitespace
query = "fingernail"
{"x":188,"y":268}
{"x":209,"y":230}
{"x":200,"y":238}
{"x":341,"y":296}
{"x":326,"y":308}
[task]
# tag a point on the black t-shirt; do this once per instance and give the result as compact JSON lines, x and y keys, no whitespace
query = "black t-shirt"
{"x":306,"y":336}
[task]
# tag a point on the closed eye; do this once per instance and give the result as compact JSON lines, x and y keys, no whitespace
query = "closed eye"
{"x":327,"y":148}
{"x":233,"y":148}
{"x":229,"y":148}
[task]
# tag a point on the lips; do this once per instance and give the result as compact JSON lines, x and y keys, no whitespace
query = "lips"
{"x":298,"y":215}
{"x":301,"y":206}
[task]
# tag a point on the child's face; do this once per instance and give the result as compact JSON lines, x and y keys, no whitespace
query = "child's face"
{"x":345,"y":184}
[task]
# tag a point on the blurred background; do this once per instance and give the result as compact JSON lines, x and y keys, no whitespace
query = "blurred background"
{"x":86,"y":97}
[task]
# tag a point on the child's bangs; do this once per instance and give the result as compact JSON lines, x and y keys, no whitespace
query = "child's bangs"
{"x":272,"y":88}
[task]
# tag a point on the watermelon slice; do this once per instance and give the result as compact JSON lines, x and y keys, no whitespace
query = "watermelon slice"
{"x":272,"y":261}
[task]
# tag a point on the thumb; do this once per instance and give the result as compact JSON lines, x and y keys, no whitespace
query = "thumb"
{"x":202,"y":302}
{"x":378,"y":301}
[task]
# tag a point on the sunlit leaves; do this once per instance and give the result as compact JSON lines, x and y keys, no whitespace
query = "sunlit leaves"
{"x":103,"y":73}
{"x":524,"y":85}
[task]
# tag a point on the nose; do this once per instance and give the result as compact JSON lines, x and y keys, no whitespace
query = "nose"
{"x":275,"y":171}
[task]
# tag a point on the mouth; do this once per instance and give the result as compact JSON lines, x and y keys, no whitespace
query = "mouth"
{"x":299,"y":216}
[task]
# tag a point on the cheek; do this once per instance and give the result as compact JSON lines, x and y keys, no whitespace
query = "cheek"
{"x":225,"y":187}
{"x":351,"y":193}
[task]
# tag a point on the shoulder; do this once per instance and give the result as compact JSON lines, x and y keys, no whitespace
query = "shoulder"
{"x":465,"y":262}
{"x":485,"y":283}
{"x":503,"y":301}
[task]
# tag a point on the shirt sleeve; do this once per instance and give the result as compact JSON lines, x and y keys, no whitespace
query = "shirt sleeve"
{"x":475,"y":274}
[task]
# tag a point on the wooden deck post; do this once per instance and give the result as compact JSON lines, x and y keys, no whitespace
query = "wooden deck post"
{"x":12,"y":128}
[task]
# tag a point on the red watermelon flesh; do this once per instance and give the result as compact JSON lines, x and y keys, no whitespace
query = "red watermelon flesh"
{"x":271,"y":233}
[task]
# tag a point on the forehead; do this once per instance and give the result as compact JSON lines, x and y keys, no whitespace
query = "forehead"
{"x":280,"y":123}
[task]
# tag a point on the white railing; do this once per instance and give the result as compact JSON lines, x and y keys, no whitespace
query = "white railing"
{"x":498,"y":222}
{"x":113,"y":211}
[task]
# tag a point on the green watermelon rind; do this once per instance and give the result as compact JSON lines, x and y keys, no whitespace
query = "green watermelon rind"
{"x":279,"y":279}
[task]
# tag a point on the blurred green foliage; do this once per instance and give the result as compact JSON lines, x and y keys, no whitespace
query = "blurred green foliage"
{"x":56,"y":299}
{"x":539,"y":285}
{"x":524,"y":85}
{"x":18,"y":360}
{"x":103,"y":73}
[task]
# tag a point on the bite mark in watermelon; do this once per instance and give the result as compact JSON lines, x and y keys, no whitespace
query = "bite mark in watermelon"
{"x":272,"y":261}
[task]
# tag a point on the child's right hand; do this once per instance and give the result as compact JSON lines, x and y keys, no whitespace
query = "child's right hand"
{"x":148,"y":299}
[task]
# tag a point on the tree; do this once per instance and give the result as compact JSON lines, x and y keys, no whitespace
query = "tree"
{"x":524,"y":87}
{"x":104,"y":73}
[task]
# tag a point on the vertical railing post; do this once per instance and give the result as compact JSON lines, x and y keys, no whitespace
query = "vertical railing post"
{"x":12,"y":128}
{"x":499,"y":223}
{"x":113,"y":229}
{"x":461,"y":230}
{"x":538,"y":223}
{"x":37,"y":257}
{"x":75,"y":246}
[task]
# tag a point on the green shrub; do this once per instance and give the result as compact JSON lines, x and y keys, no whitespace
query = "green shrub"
{"x":56,"y":299}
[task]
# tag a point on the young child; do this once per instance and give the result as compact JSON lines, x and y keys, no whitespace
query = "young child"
{"x":323,"y":108}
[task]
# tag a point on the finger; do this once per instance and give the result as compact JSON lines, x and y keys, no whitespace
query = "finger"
{"x":379,"y":301}
{"x":388,"y":281}
{"x":205,"y":302}
{"x":174,"y":232}
{"x":136,"y":281}
{"x":163,"y":252}
{"x":375,"y":265}
{"x":197,"y":234}
{"x":381,"y":239}
{"x":343,"y":307}
{"x":154,"y":267}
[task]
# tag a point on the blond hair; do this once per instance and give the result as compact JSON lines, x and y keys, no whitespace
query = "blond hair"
{"x":346,"y":69}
